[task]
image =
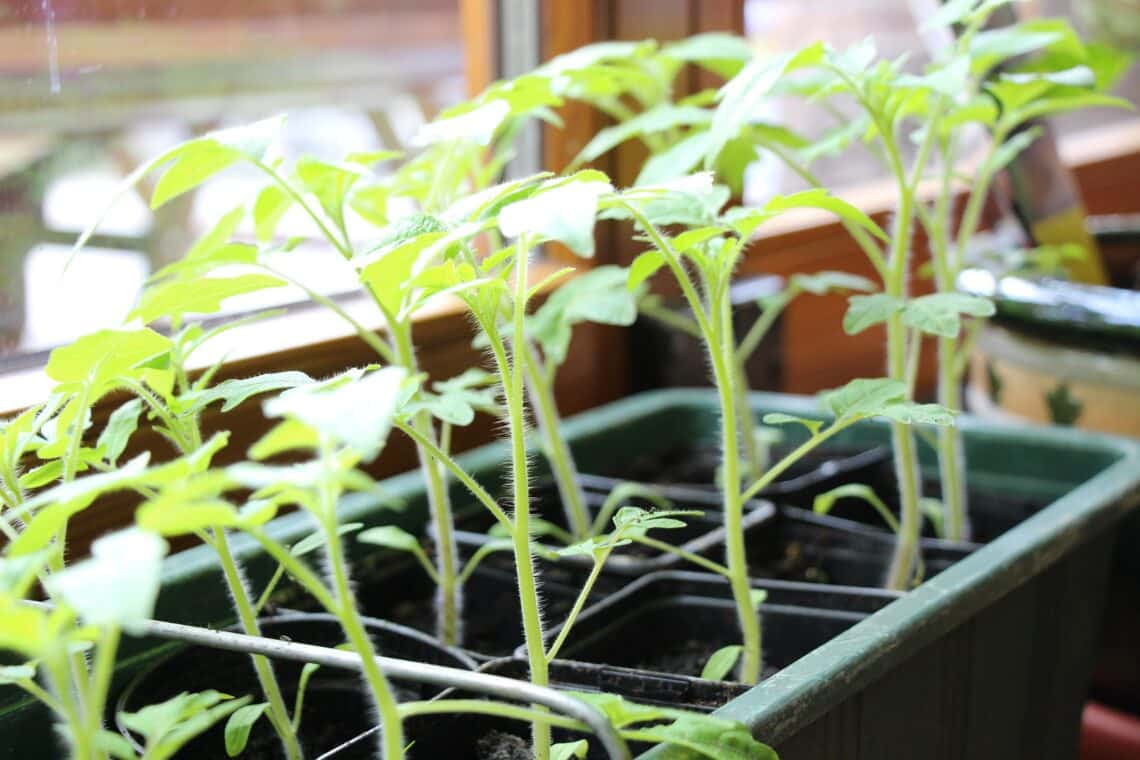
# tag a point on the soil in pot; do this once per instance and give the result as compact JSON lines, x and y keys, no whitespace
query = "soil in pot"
{"x":802,"y":546}
{"x":700,"y":533}
{"x":336,"y":705}
{"x":692,"y":466}
{"x":491,"y":614}
{"x":672,"y":622}
{"x":991,"y":513}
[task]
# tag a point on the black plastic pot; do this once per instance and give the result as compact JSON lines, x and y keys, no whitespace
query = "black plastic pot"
{"x":456,"y":736}
{"x":402,"y":593}
{"x":336,"y":706}
{"x":798,"y":545}
{"x":700,"y":535}
{"x":671,"y":622}
{"x":815,"y":473}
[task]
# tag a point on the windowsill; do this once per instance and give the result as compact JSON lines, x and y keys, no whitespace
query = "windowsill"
{"x":280,"y":342}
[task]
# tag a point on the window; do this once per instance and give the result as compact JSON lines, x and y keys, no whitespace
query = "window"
{"x":91,"y":89}
{"x":779,"y":25}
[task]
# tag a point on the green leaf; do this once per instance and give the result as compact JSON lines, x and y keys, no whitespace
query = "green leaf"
{"x":637,"y":521}
{"x":940,"y":313}
{"x":693,"y":200}
{"x":742,"y":97}
{"x":290,"y":435}
{"x":118,"y":585}
{"x":714,"y":738}
{"x":314,"y":541}
{"x":822,"y":199}
{"x":866,"y":311}
{"x":478,"y":126}
{"x":660,"y":118}
{"x":721,"y":663}
{"x":757,"y":597}
{"x":825,"y":501}
{"x":644,"y":267}
{"x":353,"y":409}
{"x":565,"y":212}
{"x":121,"y":425}
{"x":390,"y":537}
{"x":173,"y":515}
{"x":570,"y":750}
{"x":271,"y":204}
{"x":911,"y":413}
{"x":24,"y":629}
{"x":100,"y":358}
{"x":235,"y":392}
{"x":386,"y":275}
{"x":194,"y":162}
{"x":678,"y":160}
{"x":600,"y":295}
{"x":115,"y":745}
{"x":864,"y":397}
{"x":1011,"y":149}
{"x":218,"y":236}
{"x":821,"y":283}
{"x":371,"y":203}
{"x":200,"y":295}
{"x":779,"y":418}
{"x":723,"y":54}
{"x":329,"y":183}
{"x":239,"y":724}
{"x":170,"y":725}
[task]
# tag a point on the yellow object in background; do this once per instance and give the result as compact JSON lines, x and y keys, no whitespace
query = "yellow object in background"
{"x":1069,"y":227}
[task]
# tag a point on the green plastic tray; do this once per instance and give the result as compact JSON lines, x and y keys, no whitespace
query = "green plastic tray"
{"x":987,"y":660}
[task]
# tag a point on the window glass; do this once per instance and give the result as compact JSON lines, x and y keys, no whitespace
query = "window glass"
{"x":779,"y":25}
{"x":89,"y":89}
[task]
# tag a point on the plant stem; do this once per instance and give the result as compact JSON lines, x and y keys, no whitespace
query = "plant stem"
{"x":754,"y":463}
{"x":60,"y":684}
{"x":902,"y":436}
{"x":278,"y":713}
{"x":450,"y":596}
{"x":579,"y":603}
{"x":104,"y":669}
{"x":951,"y":454}
{"x":722,"y":351}
{"x":391,"y":734}
{"x":906,"y":468}
{"x":514,"y":390}
{"x":557,"y":451}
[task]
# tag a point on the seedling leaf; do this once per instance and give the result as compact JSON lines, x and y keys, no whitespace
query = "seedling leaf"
{"x":239,"y":724}
{"x":721,"y":662}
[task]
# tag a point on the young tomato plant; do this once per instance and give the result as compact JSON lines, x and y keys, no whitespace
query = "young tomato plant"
{"x":936,"y":110}
{"x":702,"y":259}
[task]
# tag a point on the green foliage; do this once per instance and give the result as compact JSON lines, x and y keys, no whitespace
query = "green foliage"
{"x":721,"y":662}
{"x":239,"y":724}
{"x":118,"y":585}
{"x":168,"y":726}
{"x":355,"y":409}
{"x":599,"y":295}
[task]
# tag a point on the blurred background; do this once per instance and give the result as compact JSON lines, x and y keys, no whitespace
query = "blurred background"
{"x":89,"y":89}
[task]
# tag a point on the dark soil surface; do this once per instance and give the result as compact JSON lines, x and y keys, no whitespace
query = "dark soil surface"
{"x":683,"y":657}
{"x":499,"y":745}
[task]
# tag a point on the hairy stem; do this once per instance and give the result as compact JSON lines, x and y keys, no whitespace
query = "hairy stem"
{"x":278,"y":713}
{"x":392,"y":734}
{"x":722,"y":351}
{"x":557,"y":451}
